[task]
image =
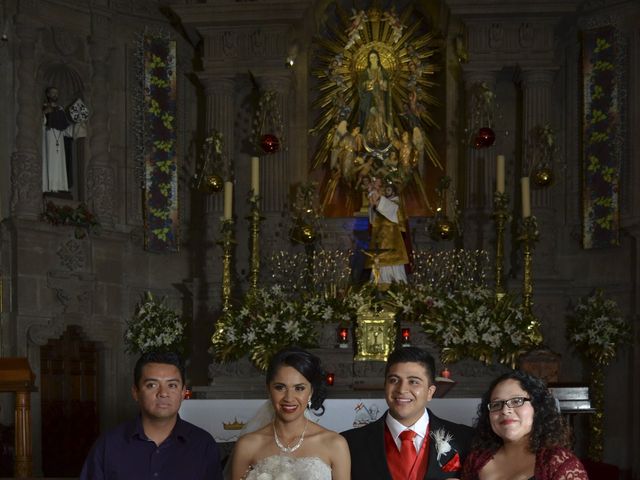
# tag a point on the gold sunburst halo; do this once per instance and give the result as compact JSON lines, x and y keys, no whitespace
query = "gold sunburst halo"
{"x":406,"y":56}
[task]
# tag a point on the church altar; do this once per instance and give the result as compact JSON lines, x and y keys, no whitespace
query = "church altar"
{"x":224,"y":419}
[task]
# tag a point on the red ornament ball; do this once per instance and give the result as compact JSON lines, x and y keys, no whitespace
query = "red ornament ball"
{"x":269,"y":143}
{"x":484,"y":138}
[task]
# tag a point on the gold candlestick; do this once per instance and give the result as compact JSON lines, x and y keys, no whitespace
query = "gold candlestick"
{"x":255,"y":219}
{"x":501,"y":216}
{"x":226,"y":242}
{"x":596,"y":421}
{"x":529,"y":235}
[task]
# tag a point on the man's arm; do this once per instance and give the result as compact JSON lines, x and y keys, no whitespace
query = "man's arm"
{"x":93,"y":468}
{"x":214,"y":468}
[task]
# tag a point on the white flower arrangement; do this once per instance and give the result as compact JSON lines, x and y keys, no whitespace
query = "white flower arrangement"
{"x":448,"y":298}
{"x":274,"y":317}
{"x":154,"y":326}
{"x":596,"y":327}
{"x":467,"y":323}
{"x":268,"y":322}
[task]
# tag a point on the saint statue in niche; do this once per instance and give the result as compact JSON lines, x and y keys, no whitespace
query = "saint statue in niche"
{"x":56,"y":144}
{"x":59,"y":129}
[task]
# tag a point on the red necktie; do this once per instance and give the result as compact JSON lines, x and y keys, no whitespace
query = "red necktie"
{"x":408,"y":452}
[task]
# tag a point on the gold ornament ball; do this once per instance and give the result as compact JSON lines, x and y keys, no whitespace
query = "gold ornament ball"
{"x":213,"y":183}
{"x":303,"y":233}
{"x":543,"y":176}
{"x":308,"y":234}
{"x":444,"y":229}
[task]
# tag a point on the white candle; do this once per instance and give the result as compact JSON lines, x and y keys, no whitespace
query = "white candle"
{"x":228,"y":200}
{"x":500,"y":174}
{"x":255,"y":175}
{"x":526,"y":197}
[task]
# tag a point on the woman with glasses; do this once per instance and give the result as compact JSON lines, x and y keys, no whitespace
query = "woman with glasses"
{"x":520,"y":434}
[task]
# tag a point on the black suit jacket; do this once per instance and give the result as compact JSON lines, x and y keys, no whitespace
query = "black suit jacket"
{"x":368,"y":456}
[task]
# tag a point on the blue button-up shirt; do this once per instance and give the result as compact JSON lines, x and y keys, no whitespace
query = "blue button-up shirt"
{"x":125,"y":453}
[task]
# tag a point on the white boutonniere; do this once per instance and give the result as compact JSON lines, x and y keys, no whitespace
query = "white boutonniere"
{"x":442,"y":439}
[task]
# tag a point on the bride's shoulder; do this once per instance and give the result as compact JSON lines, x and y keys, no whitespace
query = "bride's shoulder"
{"x":330,"y":437}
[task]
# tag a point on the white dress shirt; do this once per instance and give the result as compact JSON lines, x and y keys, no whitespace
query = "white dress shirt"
{"x":420,"y":427}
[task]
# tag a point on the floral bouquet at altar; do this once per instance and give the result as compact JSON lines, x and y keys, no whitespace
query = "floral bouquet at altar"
{"x":468,"y":322}
{"x":472,"y":323}
{"x":596,"y":328}
{"x":274,"y":317}
{"x":154,"y":326}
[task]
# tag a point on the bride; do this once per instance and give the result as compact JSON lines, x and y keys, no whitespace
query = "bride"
{"x":290,"y":446}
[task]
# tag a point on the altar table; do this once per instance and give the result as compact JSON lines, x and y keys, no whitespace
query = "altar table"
{"x":224,"y":419}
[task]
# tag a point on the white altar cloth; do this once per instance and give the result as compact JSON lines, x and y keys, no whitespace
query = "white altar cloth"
{"x":222,"y":418}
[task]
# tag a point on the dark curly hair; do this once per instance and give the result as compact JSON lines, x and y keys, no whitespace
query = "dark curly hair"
{"x":549,"y":428}
{"x":309,"y":367}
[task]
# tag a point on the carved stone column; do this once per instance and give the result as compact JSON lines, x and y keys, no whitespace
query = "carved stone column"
{"x":274,"y":169}
{"x":26,"y":163}
{"x":220,"y":116}
{"x":479,"y":171}
{"x":101,"y":177}
{"x":537,"y":87}
{"x":536,"y":111}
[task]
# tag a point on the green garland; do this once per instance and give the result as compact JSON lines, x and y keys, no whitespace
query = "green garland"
{"x":80,"y":217}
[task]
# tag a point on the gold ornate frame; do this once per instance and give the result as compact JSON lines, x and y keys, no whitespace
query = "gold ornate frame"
{"x":375,"y":334}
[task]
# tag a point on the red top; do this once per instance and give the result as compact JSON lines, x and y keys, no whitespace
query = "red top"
{"x":551,"y":464}
{"x":395,"y":461}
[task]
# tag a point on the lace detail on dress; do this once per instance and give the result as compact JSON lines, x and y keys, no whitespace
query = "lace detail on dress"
{"x":281,"y":467}
{"x":551,"y":464}
{"x":564,"y":465}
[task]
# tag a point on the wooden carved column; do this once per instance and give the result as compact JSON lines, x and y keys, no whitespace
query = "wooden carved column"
{"x":23,"y":464}
{"x":16,"y":376}
{"x":26,"y":163}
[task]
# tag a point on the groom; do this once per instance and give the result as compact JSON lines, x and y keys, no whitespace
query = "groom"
{"x":409,"y":442}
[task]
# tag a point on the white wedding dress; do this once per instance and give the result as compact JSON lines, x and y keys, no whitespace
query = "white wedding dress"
{"x":282,"y":467}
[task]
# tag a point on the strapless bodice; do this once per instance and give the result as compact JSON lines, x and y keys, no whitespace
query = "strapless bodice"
{"x":281,"y":467}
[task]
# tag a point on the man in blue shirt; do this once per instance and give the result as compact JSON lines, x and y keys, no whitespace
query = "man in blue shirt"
{"x":157,"y":444}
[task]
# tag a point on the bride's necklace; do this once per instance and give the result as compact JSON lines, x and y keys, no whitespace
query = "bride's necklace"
{"x":289,"y":449}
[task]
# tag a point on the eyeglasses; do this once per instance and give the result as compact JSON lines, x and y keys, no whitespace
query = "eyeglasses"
{"x":514,"y":402}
